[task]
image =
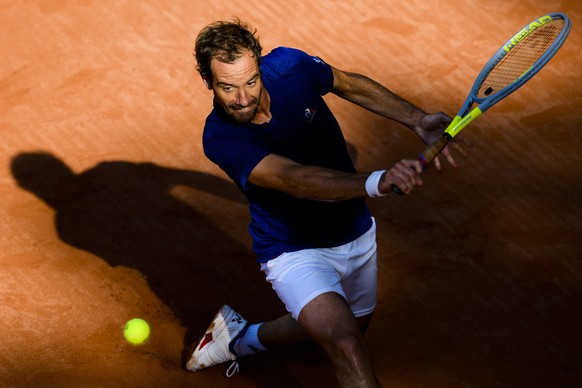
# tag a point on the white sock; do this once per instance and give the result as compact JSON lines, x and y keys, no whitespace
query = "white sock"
{"x":249,"y":343}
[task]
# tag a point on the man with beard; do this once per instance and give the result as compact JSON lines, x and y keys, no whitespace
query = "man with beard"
{"x":314,"y":237}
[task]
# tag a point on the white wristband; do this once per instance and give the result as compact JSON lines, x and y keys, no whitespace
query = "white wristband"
{"x":373,"y":182}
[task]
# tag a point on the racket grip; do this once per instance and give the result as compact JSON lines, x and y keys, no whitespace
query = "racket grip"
{"x":428,"y":155}
{"x":434,"y":149}
{"x":396,"y":189}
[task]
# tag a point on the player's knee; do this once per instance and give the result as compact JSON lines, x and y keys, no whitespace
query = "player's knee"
{"x":348,"y":346}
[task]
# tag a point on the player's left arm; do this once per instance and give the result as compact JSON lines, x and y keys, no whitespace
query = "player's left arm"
{"x":376,"y":98}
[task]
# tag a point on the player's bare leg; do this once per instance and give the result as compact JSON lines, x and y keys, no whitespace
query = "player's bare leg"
{"x":281,"y":332}
{"x":329,"y":321}
{"x":286,"y":331}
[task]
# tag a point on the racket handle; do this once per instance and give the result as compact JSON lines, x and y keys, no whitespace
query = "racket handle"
{"x":428,"y":155}
{"x":396,"y":189}
{"x":433,"y":150}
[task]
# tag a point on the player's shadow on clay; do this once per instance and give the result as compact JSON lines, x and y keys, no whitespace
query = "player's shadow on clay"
{"x":128,"y":214}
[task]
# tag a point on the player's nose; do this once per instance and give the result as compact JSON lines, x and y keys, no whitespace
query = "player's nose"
{"x":242,"y":98}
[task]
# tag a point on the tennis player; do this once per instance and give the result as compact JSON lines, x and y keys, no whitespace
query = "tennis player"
{"x":315,"y":239}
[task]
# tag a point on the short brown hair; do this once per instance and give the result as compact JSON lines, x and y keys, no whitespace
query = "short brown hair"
{"x":225,"y":41}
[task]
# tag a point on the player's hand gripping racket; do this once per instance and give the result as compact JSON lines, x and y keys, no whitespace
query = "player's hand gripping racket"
{"x":512,"y":66}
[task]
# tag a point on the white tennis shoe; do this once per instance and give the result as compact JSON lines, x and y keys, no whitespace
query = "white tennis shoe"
{"x":217,"y":344}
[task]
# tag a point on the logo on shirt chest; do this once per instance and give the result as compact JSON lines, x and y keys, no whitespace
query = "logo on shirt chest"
{"x":310,"y":114}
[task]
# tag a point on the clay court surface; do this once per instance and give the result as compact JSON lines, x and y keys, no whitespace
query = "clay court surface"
{"x":110,"y":210}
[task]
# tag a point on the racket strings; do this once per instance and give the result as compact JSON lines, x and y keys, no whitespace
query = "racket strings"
{"x":520,"y":58}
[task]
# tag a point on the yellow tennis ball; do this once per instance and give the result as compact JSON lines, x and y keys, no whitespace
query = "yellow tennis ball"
{"x":137,"y":331}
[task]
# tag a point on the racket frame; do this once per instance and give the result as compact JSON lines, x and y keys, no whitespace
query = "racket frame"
{"x":465,"y":115}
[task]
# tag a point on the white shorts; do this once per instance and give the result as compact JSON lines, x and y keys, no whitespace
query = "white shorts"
{"x":349,"y":270}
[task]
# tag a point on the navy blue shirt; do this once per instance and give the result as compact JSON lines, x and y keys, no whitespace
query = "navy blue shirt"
{"x":302,"y":129}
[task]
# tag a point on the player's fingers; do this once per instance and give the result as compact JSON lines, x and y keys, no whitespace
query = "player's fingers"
{"x":460,"y":149}
{"x":397,"y":177}
{"x":437,"y":163}
{"x":403,"y":187}
{"x":464,"y":140}
{"x":459,"y":144}
{"x":447,"y":154}
{"x":406,"y":175}
{"x":410,"y":167}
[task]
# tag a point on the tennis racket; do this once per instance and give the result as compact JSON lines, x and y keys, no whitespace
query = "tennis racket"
{"x":513,"y":65}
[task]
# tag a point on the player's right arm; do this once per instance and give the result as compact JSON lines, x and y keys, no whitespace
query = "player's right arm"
{"x":318,"y":183}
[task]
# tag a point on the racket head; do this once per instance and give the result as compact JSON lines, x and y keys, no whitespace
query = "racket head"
{"x":519,"y":59}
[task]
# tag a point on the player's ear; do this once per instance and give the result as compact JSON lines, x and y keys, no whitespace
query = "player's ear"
{"x":207,"y":84}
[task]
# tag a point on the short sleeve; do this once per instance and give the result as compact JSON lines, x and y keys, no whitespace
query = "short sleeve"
{"x":292,"y":62}
{"x":236,"y":153}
